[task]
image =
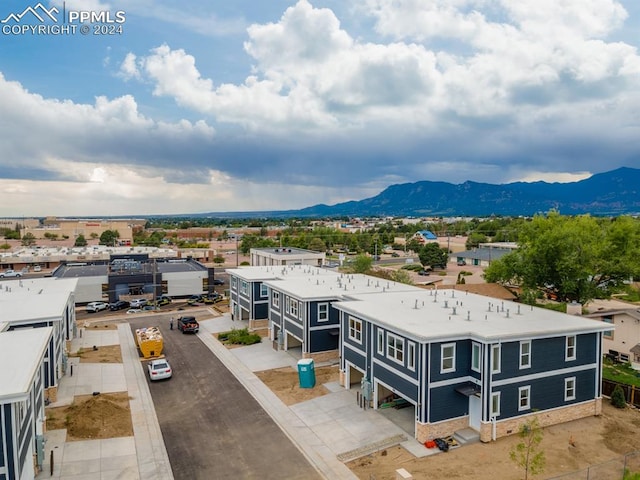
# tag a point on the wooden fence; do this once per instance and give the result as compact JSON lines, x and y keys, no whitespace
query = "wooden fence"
{"x":631,"y":393}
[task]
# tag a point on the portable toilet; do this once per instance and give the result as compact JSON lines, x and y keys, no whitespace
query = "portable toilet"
{"x":306,"y":373}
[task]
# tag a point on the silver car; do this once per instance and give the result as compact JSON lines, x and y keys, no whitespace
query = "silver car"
{"x":159,"y":369}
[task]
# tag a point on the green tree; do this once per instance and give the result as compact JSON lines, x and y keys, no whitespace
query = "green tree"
{"x":109,"y":237}
{"x":401,"y":276}
{"x":432,"y":255}
{"x":5,"y":246}
{"x":218,"y":259}
{"x":80,"y":241}
{"x":526,"y":453}
{"x":617,"y":397}
{"x":475,"y":239}
{"x":580,"y":258}
{"x":362,"y":264}
{"x":317,"y":245}
{"x":28,"y":239}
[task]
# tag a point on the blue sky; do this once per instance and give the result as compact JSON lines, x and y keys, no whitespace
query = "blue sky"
{"x":267,"y":105}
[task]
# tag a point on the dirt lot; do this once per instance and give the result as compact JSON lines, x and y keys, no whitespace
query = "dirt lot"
{"x":103,"y":354}
{"x":284,"y":382}
{"x":90,"y":417}
{"x":568,"y":447}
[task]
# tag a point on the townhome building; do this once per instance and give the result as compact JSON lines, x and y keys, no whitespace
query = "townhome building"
{"x":23,"y":358}
{"x":623,"y":344}
{"x":460,"y":360}
{"x":42,"y":303}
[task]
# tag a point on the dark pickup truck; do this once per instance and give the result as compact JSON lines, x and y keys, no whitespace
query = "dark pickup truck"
{"x":188,"y":324}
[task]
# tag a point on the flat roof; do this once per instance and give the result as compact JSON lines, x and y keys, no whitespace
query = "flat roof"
{"x":271,"y":272}
{"x":35,"y":299}
{"x":339,"y":285}
{"x":433,"y":315}
{"x":286,"y":251}
{"x":23,"y":349}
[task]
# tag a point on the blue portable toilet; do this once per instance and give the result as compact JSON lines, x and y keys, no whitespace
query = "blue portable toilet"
{"x":306,"y":373}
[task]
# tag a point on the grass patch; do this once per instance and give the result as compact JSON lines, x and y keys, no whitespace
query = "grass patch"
{"x":239,"y":337}
{"x":620,"y":372}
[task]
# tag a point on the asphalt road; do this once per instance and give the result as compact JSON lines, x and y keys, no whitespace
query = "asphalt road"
{"x":212,"y":427}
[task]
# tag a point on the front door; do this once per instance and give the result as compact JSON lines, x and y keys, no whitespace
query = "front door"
{"x":475,"y":412}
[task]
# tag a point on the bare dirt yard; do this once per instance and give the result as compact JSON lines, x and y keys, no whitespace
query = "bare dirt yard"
{"x":91,"y":417}
{"x":285,"y":383}
{"x":568,"y":447}
{"x":102,"y":354}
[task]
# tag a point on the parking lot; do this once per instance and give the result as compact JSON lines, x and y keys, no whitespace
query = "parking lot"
{"x":212,"y":427}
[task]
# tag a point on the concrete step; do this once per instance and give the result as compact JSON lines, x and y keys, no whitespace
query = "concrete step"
{"x":467,"y":436}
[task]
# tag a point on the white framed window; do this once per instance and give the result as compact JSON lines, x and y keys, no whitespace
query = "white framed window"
{"x":496,"y":353}
{"x":448,"y":358}
{"x":476,"y":357}
{"x":569,"y":388}
{"x":275,"y":299}
{"x":495,"y":404}
{"x":525,"y":354}
{"x":264,"y":290}
{"x":380,"y":344}
{"x":411,"y":356}
{"x":524,"y":398}
{"x":294,"y":308}
{"x":234,"y":283}
{"x":244,"y":287}
{"x":323,"y":312}
{"x":570,"y":350}
{"x":355,"y":329}
{"x":395,"y":347}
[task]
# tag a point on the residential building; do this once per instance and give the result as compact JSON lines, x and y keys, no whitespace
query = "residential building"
{"x":484,"y":254}
{"x":461,"y":360}
{"x":623,"y":344}
{"x":42,"y":303}
{"x":23,"y":356}
{"x":285,"y":256}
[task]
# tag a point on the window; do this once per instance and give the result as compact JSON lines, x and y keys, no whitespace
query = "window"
{"x":323,"y":312}
{"x":448,"y":358}
{"x":525,"y":354}
{"x":264,"y":290}
{"x":294,"y":308}
{"x":495,"y":358}
{"x":570,"y":388}
{"x":524,"y":398}
{"x":355,"y":329}
{"x":570,"y":353}
{"x":495,"y":404}
{"x":287,"y":304}
{"x":411,"y":355}
{"x":475,"y":357}
{"x":380,"y":342}
{"x":234,"y":282}
{"x":275,"y":299}
{"x":395,"y":347}
{"x":244,"y":287}
{"x":609,"y":333}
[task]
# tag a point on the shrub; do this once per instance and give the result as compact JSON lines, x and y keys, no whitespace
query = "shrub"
{"x":239,"y":337}
{"x":617,"y":397}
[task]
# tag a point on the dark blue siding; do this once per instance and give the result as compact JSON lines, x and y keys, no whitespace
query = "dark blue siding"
{"x":7,"y":429}
{"x":546,"y":393}
{"x":244,"y":302}
{"x":261,"y":311}
{"x":355,"y":358}
{"x":402,"y":385}
{"x":293,"y":328}
{"x":322,"y":340}
{"x":446,"y":403}
{"x":462,"y":361}
{"x":334,"y":316}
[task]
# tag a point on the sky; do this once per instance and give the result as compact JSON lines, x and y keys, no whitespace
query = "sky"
{"x":157,"y":107}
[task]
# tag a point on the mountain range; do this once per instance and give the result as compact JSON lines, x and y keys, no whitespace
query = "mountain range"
{"x":616,"y":192}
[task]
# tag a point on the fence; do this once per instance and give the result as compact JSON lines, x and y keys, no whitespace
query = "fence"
{"x":612,"y":470}
{"x":631,"y":393}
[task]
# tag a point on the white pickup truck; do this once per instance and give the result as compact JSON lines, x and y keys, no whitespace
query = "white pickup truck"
{"x":10,"y":273}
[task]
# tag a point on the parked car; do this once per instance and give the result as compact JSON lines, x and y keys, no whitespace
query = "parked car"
{"x":193,"y":299}
{"x":395,"y":255}
{"x":134,"y":310}
{"x":218,"y":281}
{"x":163,"y":300}
{"x":118,"y":305}
{"x":424,"y":272}
{"x":93,"y":307}
{"x":138,"y":302}
{"x":461,"y":263}
{"x":37,"y":268}
{"x":214,"y":297}
{"x":188,"y":324}
{"x":10,"y":273}
{"x":159,"y":369}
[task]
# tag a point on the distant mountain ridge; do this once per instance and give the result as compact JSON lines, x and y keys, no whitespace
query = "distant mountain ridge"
{"x":610,"y":193}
